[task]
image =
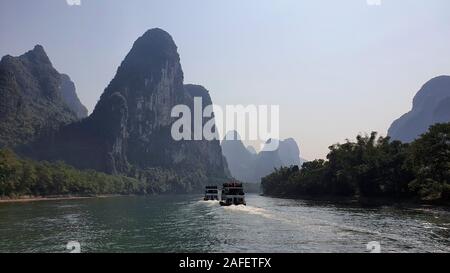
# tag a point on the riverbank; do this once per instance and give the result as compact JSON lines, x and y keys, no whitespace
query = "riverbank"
{"x":24,"y":199}
{"x":364,"y":201}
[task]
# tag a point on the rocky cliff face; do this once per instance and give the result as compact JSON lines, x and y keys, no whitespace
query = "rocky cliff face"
{"x":251,"y":167}
{"x":216,"y":164}
{"x":31,"y":102}
{"x":70,"y":97}
{"x":130,"y":127}
{"x":430,"y":105}
{"x":97,"y":142}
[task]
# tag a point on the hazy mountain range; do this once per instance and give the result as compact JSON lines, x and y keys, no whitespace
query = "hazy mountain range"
{"x":247,"y":165}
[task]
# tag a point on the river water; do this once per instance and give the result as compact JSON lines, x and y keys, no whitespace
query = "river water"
{"x":183,"y":223}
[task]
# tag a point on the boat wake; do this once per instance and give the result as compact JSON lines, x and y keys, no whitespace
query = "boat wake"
{"x":209,"y":203}
{"x":316,"y":224}
{"x":298,"y":221}
{"x":250,"y":210}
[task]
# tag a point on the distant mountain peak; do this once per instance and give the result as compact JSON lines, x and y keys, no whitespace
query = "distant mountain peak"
{"x":157,"y":34}
{"x":151,"y":66}
{"x":152,"y":47}
{"x":39,"y":49}
{"x":232,"y":135}
{"x":431,"y":105}
{"x":37,"y":55}
{"x":247,"y":165}
{"x":31,"y":103}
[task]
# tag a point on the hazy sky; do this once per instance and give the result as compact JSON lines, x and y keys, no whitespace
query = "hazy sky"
{"x":336,"y":68}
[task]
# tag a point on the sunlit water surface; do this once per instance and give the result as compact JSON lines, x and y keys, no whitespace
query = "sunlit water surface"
{"x":183,"y":223}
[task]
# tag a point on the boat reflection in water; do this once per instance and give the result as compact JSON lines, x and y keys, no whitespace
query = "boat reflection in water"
{"x":232,"y":194}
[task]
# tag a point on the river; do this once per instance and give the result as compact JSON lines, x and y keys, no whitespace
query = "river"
{"x":184,"y":223}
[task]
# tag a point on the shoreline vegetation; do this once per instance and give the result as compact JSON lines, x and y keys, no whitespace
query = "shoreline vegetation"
{"x":373,"y":169}
{"x":21,"y":177}
{"x":24,"y":178}
{"x":251,"y":188}
{"x":26,"y":199}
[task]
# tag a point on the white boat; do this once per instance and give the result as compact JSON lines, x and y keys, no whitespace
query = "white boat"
{"x":232,"y":194}
{"x":211,"y":193}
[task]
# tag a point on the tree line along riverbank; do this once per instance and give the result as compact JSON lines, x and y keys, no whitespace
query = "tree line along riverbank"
{"x":373,"y":167}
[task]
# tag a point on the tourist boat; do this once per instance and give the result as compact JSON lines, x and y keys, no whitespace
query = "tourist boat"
{"x":211,"y":193}
{"x":232,"y":194}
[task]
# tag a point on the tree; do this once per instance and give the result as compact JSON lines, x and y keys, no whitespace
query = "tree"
{"x":429,"y":159}
{"x":9,"y":171}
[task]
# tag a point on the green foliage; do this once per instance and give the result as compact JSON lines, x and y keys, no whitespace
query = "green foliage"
{"x":9,"y":172}
{"x":19,"y":177}
{"x":373,"y":167}
{"x":25,"y":177}
{"x":429,"y":157}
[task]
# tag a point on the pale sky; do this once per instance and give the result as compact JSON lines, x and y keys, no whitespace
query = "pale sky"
{"x":336,"y":68}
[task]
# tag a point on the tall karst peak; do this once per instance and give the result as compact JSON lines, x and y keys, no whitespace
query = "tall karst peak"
{"x":156,"y":42}
{"x":30,"y":98}
{"x":37,"y":55}
{"x":150,"y":79}
{"x":152,"y":60}
{"x":129,"y":130}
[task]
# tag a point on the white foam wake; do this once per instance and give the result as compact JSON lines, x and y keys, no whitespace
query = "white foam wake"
{"x":250,"y":210}
{"x":209,"y":203}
